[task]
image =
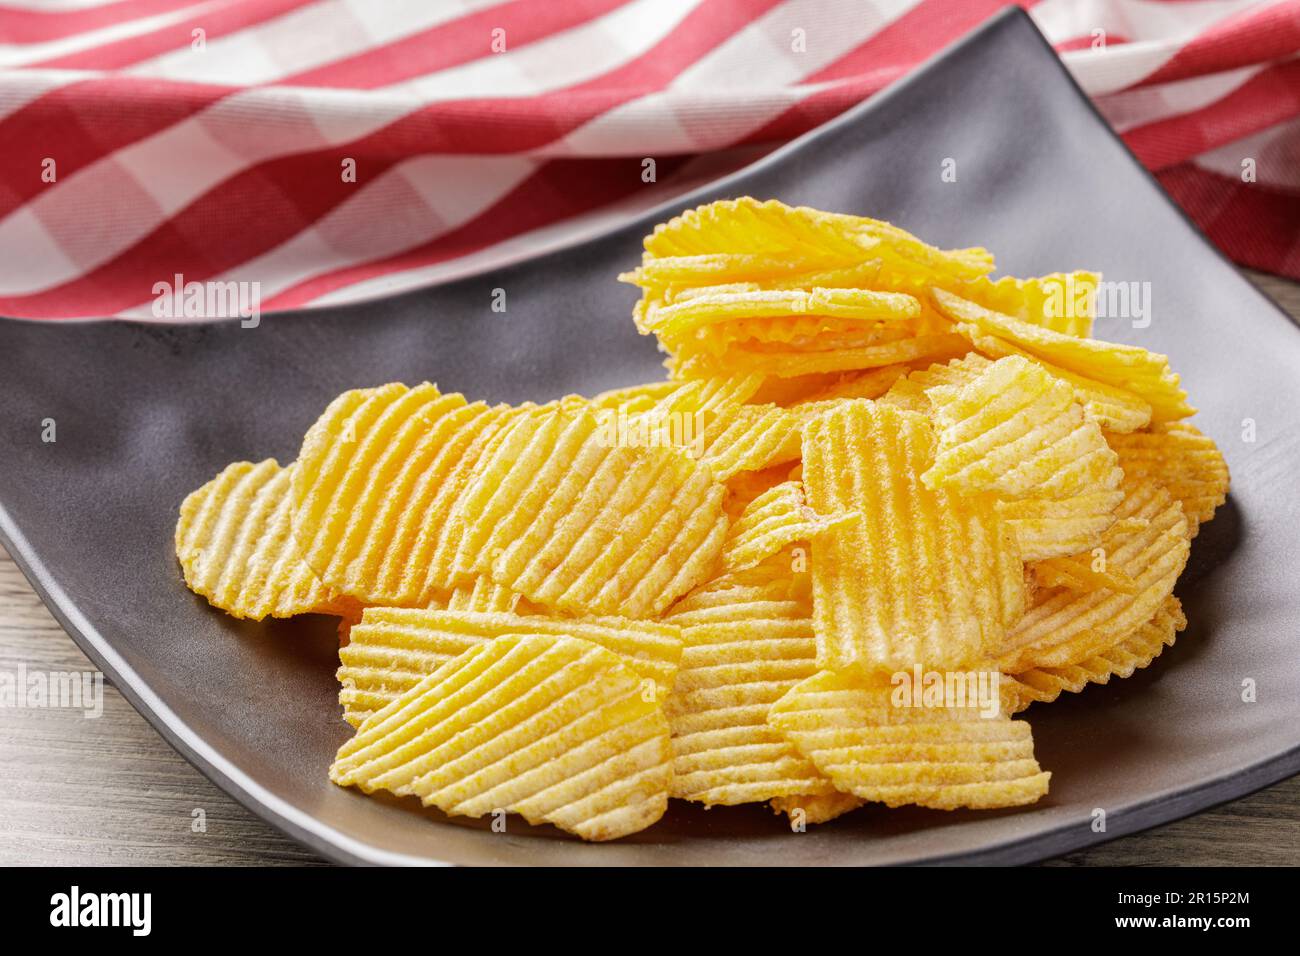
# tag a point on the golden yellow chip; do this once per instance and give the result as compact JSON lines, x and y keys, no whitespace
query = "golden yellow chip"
{"x":1082,"y":572}
{"x":781,"y":582}
{"x":570,"y":522}
{"x":1065,"y":303}
{"x":1053,"y":529}
{"x":393,"y":649}
{"x":235,"y":547}
{"x":713,"y":269}
{"x":1065,"y":626}
{"x":553,"y":728}
{"x":634,"y":398}
{"x":1133,"y":652}
{"x":869,"y":383}
{"x":377,"y":477}
{"x":738,"y":656}
{"x":815,"y":808}
{"x":484,"y":597}
{"x":692,"y":315}
{"x":1017,"y":432}
{"x":773,"y":521}
{"x":909,"y":396}
{"x":810,"y":236}
{"x":1126,"y":367}
{"x":897,"y":749}
{"x":1182,"y":459}
{"x":795,"y":363}
{"x":926,"y":576}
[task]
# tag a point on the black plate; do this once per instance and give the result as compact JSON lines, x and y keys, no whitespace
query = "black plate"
{"x":146,"y":413}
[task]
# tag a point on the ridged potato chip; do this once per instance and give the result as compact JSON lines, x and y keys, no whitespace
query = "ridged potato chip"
{"x":948,"y":757}
{"x":1082,"y":572}
{"x":1064,"y":626}
{"x":739,"y":654}
{"x":1045,"y":528}
{"x":801,"y":234}
{"x":869,"y":383}
{"x":773,"y":521}
{"x":553,"y":728}
{"x":1015,"y":431}
{"x":1184,"y":461}
{"x":235,"y":547}
{"x":897,"y":346}
{"x":375,"y":482}
{"x":1126,"y":367}
{"x":926,"y":575}
{"x":483,"y":596}
{"x":681,"y":319}
{"x":393,"y":649}
{"x":1062,"y":302}
{"x":1044,"y":684}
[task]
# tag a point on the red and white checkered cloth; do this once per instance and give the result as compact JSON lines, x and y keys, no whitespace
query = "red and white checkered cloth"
{"x":144,"y":138}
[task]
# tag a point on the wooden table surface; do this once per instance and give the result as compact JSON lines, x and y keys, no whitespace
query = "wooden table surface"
{"x":111,"y":791}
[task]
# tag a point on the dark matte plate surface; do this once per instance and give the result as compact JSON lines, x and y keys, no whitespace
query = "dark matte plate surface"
{"x":146,"y":413}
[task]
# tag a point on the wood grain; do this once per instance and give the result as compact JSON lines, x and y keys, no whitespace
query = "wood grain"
{"x":110,"y":791}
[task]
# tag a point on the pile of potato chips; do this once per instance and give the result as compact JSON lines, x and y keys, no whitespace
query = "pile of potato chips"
{"x":882,"y":504}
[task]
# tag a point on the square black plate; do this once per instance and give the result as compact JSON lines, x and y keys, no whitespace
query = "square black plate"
{"x":146,"y":413}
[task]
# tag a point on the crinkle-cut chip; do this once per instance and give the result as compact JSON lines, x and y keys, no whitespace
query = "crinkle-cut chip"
{"x":749,"y":438}
{"x":483,"y":596}
{"x":815,"y":808}
{"x":773,"y":521}
{"x":635,"y":398}
{"x":793,"y":364}
{"x":802,"y":333}
{"x":779,"y":585}
{"x":957,"y":372}
{"x":926,"y":575}
{"x":1065,"y":627}
{"x":1044,"y":528}
{"x":349,"y":617}
{"x":907,"y":395}
{"x":1132,"y":653}
{"x":1062,"y":302}
{"x":716,"y":268}
{"x":744,"y":487}
{"x":708,"y":394}
{"x":393,"y":649}
{"x":746,"y":225}
{"x":550,"y":727}
{"x":1116,"y":409}
{"x":1182,"y":459}
{"x":1081,"y":572}
{"x":236,"y":549}
{"x":1017,"y":432}
{"x":869,"y":383}
{"x":570,"y":522}
{"x":738,"y":657}
{"x":945,"y":758}
{"x":1128,"y":367}
{"x":377,"y":477}
{"x":699,"y":312}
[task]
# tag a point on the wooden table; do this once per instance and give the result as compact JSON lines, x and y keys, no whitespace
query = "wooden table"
{"x":111,"y":791}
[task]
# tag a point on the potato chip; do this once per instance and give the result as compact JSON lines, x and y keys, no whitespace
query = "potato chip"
{"x":1064,"y":626}
{"x":570,"y":522}
{"x":1126,"y":367}
{"x":856,"y":731}
{"x":800,"y":234}
{"x":1133,"y":652}
{"x":375,"y":482}
{"x":1017,"y":432}
{"x":1184,"y":461}
{"x":483,"y":596}
{"x":739,"y":656}
{"x":635,"y":398}
{"x":1065,"y":303}
{"x":794,"y":363}
{"x":553,"y":728}
{"x":393,"y":649}
{"x":781,"y":582}
{"x":235,"y":547}
{"x":718,"y":268}
{"x":678,"y":320}
{"x":1082,"y":572}
{"x":773,"y":521}
{"x":869,"y":383}
{"x":927,"y":575}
